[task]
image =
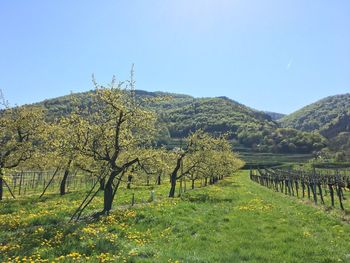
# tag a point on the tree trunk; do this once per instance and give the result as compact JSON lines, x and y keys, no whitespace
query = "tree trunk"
{"x":108,"y":197}
{"x":109,"y":192}
{"x":102,"y":184}
{"x":65,"y":177}
{"x":192,"y":184}
{"x":63,"y":182}
{"x":173,"y":178}
{"x":172,"y":187}
{"x":211,"y":180}
{"x":159,"y":180}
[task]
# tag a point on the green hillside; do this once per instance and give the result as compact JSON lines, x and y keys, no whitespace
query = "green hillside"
{"x":181,"y":114}
{"x":330,"y":116}
{"x":214,"y":115}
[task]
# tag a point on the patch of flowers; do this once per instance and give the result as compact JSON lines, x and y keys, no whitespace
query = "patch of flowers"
{"x":256,"y":204}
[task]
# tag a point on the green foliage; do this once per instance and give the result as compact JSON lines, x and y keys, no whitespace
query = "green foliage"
{"x":340,"y":145}
{"x":329,"y":116}
{"x":20,"y":134}
{"x":179,"y":115}
{"x":282,"y":140}
{"x":213,"y":115}
{"x":203,"y":157}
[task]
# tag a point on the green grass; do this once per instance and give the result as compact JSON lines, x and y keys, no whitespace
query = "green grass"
{"x":234,"y":221}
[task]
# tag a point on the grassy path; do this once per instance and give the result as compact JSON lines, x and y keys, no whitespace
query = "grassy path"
{"x":243,"y":221}
{"x":234,"y":221}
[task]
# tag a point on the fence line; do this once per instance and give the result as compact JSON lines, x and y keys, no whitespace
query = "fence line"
{"x":314,"y":185}
{"x":25,"y":183}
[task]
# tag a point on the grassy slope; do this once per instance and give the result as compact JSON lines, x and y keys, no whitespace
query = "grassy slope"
{"x":235,"y":221}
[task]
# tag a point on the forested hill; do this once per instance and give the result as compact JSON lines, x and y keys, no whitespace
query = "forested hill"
{"x":180,"y":114}
{"x":214,"y":115}
{"x":330,"y":116}
{"x":61,"y":106}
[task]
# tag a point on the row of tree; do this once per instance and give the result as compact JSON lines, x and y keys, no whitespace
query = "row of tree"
{"x":111,"y":140}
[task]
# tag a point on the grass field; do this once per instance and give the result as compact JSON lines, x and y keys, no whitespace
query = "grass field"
{"x":234,"y":221}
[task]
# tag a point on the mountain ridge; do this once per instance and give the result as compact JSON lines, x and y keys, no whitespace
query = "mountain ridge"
{"x":179,"y":115}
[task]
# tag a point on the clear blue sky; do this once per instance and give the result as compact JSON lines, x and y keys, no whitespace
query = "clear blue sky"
{"x":271,"y":55}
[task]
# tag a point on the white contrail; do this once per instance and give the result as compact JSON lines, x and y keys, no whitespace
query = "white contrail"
{"x":289,"y":63}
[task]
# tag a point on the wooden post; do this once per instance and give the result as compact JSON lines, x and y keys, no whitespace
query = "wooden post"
{"x":133,"y":199}
{"x":315,"y":192}
{"x":331,"y":192}
{"x":340,"y":197}
{"x":20,"y":183}
{"x":320,"y":191}
{"x":185,"y":184}
{"x":33,"y":180}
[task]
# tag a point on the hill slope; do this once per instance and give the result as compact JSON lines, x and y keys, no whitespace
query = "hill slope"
{"x":330,"y":116}
{"x":181,"y":114}
{"x":214,"y":115}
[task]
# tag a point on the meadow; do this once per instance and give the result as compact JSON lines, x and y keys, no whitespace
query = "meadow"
{"x":218,"y":145}
{"x":235,"y":220}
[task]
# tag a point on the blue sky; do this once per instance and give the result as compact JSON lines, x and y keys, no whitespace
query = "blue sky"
{"x":271,"y":55}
